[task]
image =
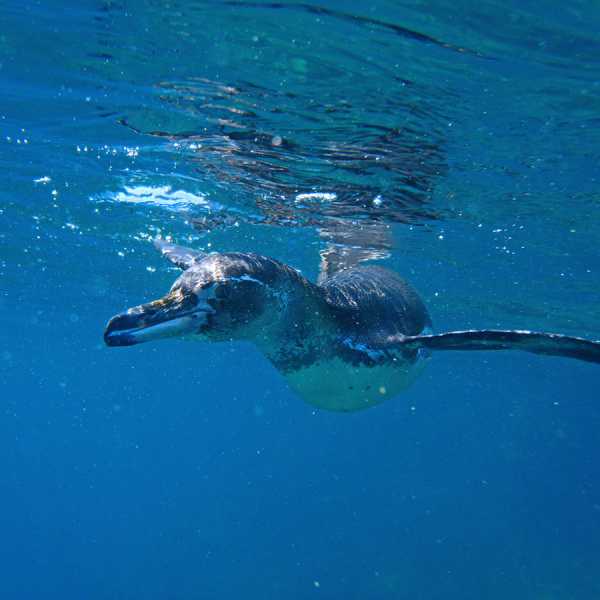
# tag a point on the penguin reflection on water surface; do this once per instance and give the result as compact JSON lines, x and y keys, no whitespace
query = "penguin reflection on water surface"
{"x":352,"y":341}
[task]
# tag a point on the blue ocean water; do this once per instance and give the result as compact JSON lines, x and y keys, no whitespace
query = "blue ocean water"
{"x":455,"y":142}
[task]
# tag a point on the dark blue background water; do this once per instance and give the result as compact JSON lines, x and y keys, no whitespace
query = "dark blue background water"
{"x":469,"y":132}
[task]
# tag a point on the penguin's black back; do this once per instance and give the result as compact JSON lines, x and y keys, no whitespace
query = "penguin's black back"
{"x":374,"y":305}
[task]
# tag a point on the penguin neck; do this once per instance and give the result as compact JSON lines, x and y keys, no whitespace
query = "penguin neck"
{"x":297,"y":328}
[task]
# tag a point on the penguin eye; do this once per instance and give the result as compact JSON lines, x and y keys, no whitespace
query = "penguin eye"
{"x":190,"y":299}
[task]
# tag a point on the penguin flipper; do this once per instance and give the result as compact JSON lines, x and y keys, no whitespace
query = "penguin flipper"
{"x":180,"y":256}
{"x":552,"y":344}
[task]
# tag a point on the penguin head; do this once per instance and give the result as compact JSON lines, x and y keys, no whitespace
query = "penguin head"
{"x":218,"y":297}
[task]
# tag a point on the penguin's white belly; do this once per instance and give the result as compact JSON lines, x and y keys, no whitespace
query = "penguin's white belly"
{"x":337,"y":385}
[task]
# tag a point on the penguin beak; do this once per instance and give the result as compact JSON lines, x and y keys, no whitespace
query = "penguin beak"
{"x":173,"y":315}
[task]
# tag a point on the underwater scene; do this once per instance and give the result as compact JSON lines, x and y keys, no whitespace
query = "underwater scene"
{"x":299,"y":300}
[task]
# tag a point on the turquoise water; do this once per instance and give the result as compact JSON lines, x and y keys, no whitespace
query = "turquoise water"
{"x":456,"y":143}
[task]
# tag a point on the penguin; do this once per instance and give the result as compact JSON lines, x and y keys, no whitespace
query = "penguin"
{"x":350,"y":342}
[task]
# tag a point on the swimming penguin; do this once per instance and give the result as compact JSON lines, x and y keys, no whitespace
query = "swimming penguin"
{"x":352,"y":341}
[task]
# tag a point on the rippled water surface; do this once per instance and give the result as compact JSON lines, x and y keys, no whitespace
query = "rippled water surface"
{"x":455,"y":142}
